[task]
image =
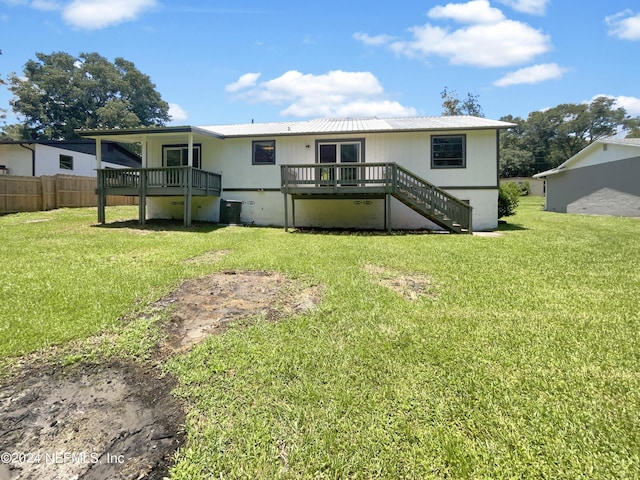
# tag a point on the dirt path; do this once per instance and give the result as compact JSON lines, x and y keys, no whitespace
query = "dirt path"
{"x":89,"y":422}
{"x":120,"y":421}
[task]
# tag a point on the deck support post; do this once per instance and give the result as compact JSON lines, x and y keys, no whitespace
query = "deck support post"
{"x":286,"y":214}
{"x":387,"y":212}
{"x":188,"y":194}
{"x":142,"y":198}
{"x":293,"y":211}
{"x":102,"y":198}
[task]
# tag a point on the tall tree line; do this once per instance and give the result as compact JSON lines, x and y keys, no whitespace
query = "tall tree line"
{"x":59,"y":93}
{"x":547,"y":138}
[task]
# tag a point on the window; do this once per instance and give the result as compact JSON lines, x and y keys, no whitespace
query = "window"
{"x":448,"y":151}
{"x":264,"y":152}
{"x":178,"y":155}
{"x":66,"y":162}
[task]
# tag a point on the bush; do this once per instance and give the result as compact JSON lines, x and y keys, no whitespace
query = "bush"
{"x":508,"y":199}
{"x":525,"y":188}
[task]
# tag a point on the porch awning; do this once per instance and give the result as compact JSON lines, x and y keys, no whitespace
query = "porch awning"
{"x":135,"y":135}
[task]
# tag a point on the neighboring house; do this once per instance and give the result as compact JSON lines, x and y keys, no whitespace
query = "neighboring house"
{"x":601,"y":179}
{"x":364,"y":173}
{"x":48,"y":157}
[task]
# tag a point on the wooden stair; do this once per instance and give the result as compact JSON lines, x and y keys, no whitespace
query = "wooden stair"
{"x":431,"y":202}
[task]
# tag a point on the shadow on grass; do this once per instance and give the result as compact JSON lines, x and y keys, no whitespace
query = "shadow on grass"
{"x":158,"y":225}
{"x":510,"y":227}
{"x":363,"y":232}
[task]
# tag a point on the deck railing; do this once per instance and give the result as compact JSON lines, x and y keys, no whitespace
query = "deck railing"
{"x":159,"y":178}
{"x":337,"y":175}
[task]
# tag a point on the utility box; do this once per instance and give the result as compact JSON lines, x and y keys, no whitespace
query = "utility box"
{"x":230,"y":211}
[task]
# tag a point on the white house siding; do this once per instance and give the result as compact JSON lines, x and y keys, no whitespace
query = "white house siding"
{"x":257,"y":186}
{"x":18,"y":161}
{"x":48,"y":162}
{"x":602,"y":152}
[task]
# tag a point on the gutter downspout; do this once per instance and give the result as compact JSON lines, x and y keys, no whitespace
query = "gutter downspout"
{"x":33,"y":158}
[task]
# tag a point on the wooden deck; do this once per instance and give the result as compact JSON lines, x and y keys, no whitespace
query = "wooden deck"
{"x":375,"y":180}
{"x":156,"y":182}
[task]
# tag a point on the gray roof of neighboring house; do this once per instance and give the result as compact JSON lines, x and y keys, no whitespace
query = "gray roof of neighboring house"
{"x":632,"y":142}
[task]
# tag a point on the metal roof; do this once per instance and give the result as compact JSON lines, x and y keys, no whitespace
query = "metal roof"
{"x":307,"y":127}
{"x":355,"y":125}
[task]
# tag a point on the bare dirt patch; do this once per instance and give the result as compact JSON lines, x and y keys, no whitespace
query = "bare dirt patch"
{"x":118,"y":420}
{"x":88,"y":422}
{"x":205,"y":306}
{"x":410,"y":287}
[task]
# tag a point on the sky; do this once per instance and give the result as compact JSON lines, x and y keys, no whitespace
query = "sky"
{"x":237,"y":61}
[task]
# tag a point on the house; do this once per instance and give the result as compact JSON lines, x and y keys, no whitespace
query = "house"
{"x":601,"y":179}
{"x":368,"y":173}
{"x":49,"y":157}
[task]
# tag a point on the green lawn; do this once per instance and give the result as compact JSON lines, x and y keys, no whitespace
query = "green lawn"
{"x":524,"y":363}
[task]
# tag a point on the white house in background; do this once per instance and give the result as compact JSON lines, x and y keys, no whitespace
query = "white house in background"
{"x":601,"y":179}
{"x":48,"y":157}
{"x":368,"y":173}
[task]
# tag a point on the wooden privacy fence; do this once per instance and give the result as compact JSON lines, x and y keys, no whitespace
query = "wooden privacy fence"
{"x":32,"y":194}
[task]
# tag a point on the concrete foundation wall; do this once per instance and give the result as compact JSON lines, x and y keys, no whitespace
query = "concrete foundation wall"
{"x":267,"y":208}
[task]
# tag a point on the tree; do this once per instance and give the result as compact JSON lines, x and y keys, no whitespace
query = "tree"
{"x":632,"y":125}
{"x":59,"y":93}
{"x":579,"y":125}
{"x":548,"y":138}
{"x":3,"y":112}
{"x":452,"y":105}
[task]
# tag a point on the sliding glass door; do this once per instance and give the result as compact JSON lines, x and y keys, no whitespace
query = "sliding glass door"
{"x":346,"y":152}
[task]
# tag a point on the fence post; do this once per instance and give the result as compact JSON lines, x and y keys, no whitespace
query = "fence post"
{"x":43,"y":194}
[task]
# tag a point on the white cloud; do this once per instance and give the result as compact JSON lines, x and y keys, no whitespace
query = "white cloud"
{"x":475,"y":11}
{"x":99,"y":14}
{"x":334,"y":94}
{"x":375,"y":40}
{"x":533,"y":74}
{"x":245,"y":81}
{"x":488,"y":40}
{"x":46,"y":5}
{"x":624,"y":25}
{"x":486,"y":45}
{"x":533,"y":7}
{"x":177,"y":113}
{"x":630,"y":104}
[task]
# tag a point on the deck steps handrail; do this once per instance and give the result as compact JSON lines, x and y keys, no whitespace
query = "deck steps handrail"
{"x":439,"y":206}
